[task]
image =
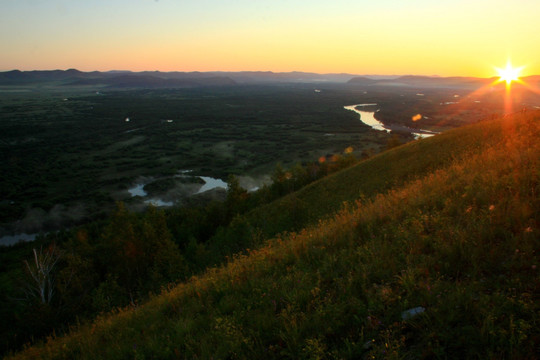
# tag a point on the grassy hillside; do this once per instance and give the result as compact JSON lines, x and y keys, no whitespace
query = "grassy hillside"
{"x":444,"y":265}
{"x":387,"y":170}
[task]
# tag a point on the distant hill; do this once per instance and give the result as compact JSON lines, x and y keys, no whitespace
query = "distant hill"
{"x":427,"y":82}
{"x":148,"y":81}
{"x":163,"y":79}
{"x":158,"y":79}
{"x":277,"y":77}
{"x":114,"y":79}
{"x":362,"y":80}
{"x":533,"y":80}
{"x":427,"y":250}
{"x":16,"y":77}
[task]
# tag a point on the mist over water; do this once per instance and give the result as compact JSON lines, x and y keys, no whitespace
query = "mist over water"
{"x":37,"y":220}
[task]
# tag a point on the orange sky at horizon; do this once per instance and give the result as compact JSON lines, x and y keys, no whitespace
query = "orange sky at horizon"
{"x":387,"y":37}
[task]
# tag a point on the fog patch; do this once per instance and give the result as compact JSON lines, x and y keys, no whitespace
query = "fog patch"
{"x":176,"y":191}
{"x":38,"y":220}
{"x":254,"y":183}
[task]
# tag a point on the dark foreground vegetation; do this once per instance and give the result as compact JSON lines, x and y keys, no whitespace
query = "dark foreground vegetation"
{"x":76,"y":274}
{"x":428,"y":250}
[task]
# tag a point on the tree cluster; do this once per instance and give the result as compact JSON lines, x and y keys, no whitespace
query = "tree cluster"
{"x":118,"y":262}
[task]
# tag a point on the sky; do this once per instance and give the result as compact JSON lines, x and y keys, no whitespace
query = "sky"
{"x":383,"y":37}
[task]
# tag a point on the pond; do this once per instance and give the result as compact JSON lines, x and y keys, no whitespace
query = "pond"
{"x":210,"y":183}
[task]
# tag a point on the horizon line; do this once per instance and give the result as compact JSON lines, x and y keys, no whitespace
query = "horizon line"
{"x":263,"y":71}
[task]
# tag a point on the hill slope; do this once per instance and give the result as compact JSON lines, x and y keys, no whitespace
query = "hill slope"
{"x":380,"y":173}
{"x":444,"y":265}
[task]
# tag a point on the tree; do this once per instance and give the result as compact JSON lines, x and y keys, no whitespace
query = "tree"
{"x":394,"y":141}
{"x":236,"y":197}
{"x":41,"y":282}
{"x":166,"y":263}
{"x":142,"y":255}
{"x":279,"y":173}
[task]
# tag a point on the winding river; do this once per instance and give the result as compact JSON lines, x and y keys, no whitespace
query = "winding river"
{"x":368,"y":118}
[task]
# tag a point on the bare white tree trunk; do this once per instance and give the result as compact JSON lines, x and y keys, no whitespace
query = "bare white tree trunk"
{"x":41,"y":284}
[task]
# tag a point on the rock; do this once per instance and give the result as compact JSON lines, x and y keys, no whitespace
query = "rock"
{"x":407,"y":314}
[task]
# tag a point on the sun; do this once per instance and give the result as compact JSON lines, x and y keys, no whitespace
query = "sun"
{"x":509,"y":73}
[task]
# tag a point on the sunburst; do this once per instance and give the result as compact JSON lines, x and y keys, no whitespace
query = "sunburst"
{"x":509,"y":73}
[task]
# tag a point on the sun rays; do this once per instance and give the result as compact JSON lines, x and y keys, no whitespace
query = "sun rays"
{"x":509,"y":73}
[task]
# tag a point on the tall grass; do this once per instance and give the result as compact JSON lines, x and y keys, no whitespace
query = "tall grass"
{"x":461,"y":242}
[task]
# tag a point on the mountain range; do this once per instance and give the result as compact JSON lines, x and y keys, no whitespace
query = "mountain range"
{"x":158,"y":79}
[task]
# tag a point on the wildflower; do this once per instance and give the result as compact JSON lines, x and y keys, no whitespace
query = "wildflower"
{"x":469,"y":209}
{"x":528,"y":229}
{"x":491,"y":207}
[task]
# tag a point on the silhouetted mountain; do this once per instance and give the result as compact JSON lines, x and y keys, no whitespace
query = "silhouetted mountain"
{"x":16,"y":77}
{"x":123,"y":78}
{"x":362,"y":80}
{"x":424,"y":81}
{"x":13,"y":77}
{"x":428,"y":81}
{"x":436,"y":82}
{"x":146,"y":81}
{"x":533,"y":80}
{"x":177,"y":79}
{"x":119,"y":79}
{"x":275,"y":77}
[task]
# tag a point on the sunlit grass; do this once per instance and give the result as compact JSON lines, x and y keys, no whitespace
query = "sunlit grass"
{"x":459,"y":241}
